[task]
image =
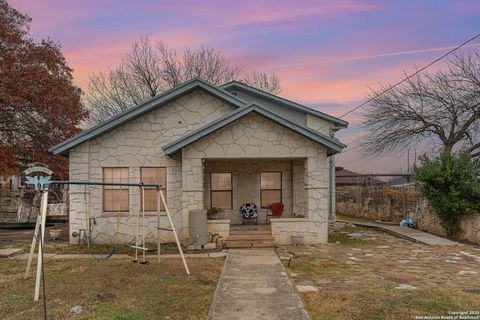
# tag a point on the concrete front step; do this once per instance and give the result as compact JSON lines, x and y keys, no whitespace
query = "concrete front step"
{"x":234,"y":244}
{"x":250,"y":232}
{"x":251,"y":237}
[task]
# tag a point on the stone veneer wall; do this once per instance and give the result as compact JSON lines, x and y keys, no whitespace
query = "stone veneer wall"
{"x":424,"y":218}
{"x":284,"y":228}
{"x":137,"y":144}
{"x":254,"y":136}
{"x":221,"y":226}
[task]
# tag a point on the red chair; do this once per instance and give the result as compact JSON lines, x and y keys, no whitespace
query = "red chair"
{"x":276,"y":210}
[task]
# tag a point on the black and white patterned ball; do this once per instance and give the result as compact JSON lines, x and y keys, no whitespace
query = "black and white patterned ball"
{"x":249,"y":210}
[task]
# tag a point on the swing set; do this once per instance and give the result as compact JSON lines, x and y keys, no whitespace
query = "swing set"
{"x":139,"y":245}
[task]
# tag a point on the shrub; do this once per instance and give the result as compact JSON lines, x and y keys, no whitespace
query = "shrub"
{"x":449,"y":182}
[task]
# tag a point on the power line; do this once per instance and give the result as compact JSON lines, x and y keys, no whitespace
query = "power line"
{"x":413,"y":74}
{"x":400,"y":82}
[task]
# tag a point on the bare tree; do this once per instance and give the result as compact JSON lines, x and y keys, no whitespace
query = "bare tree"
{"x":147,"y":70}
{"x":268,"y":83}
{"x":442,"y":107}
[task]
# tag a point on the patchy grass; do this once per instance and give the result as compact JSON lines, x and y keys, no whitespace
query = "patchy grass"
{"x":114,"y":289}
{"x":103,"y":249}
{"x":342,"y":237}
{"x":356,"y":274}
{"x":352,"y":218}
{"x":387,"y":303}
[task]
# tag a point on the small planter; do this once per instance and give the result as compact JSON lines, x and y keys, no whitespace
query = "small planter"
{"x":297,"y":240}
{"x":213,"y":213}
{"x":55,"y":233}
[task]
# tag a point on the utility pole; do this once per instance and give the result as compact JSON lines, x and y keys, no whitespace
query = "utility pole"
{"x":408,"y":160}
{"x":415,"y":158}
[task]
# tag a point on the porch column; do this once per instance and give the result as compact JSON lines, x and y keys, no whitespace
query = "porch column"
{"x":316,"y":193}
{"x":298,"y":185}
{"x":192,"y":189}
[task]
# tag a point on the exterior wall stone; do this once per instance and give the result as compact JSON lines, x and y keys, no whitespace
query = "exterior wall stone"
{"x":254,"y":136}
{"x":222,"y":227}
{"x":299,"y":205}
{"x":284,"y":228}
{"x":137,"y":144}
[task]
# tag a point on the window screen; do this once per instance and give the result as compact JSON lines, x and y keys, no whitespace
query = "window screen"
{"x":115,"y":198}
{"x":154,"y":176}
{"x":221,"y":190}
{"x":270,"y":188}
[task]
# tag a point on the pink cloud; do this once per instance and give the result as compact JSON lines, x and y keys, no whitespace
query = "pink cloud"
{"x":266,"y":11}
{"x":65,"y":12}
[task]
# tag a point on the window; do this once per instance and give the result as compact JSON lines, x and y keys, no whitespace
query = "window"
{"x":154,"y":176}
{"x":115,"y":198}
{"x":221,"y":190}
{"x":270,"y":188}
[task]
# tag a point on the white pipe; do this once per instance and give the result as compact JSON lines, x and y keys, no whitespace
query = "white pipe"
{"x":43,"y":216}
{"x":174,"y":232}
{"x":34,"y":244}
{"x":139,"y":248}
{"x":136,"y":235}
{"x":143,"y":222}
{"x":158,"y":228}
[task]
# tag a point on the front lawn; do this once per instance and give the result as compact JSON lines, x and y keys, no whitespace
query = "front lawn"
{"x":357,"y":273}
{"x":114,"y":289}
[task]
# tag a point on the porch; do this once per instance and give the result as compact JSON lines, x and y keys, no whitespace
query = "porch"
{"x":230,"y":183}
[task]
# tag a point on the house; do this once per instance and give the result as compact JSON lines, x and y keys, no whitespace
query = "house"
{"x":210,"y":146}
{"x":346,"y":178}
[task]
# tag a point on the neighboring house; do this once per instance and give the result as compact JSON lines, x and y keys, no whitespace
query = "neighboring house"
{"x":346,"y":178}
{"x":211,"y":147}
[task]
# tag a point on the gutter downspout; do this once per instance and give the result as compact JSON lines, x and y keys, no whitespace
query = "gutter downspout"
{"x":331,"y":172}
{"x":331,"y":193}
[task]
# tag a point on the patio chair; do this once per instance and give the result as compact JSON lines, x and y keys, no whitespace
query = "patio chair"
{"x":249,"y":212}
{"x":276,"y":210}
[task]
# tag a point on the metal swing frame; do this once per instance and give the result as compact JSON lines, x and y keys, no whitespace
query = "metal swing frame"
{"x":41,"y":219}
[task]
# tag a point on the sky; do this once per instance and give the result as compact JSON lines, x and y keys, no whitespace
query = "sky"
{"x":328,"y":54}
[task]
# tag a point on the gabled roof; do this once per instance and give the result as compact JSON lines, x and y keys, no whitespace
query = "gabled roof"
{"x":283,"y":101}
{"x":143,"y":108}
{"x":333,"y":145}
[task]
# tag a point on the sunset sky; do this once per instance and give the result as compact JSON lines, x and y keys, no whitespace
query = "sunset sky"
{"x":326,"y":53}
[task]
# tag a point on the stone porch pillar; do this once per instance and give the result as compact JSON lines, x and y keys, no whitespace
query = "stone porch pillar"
{"x":316,"y":193}
{"x":298,"y":185}
{"x":192,"y":189}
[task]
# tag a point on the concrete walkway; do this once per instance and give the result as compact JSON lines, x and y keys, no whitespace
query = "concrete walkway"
{"x":407,"y":233}
{"x":254,"y":285}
